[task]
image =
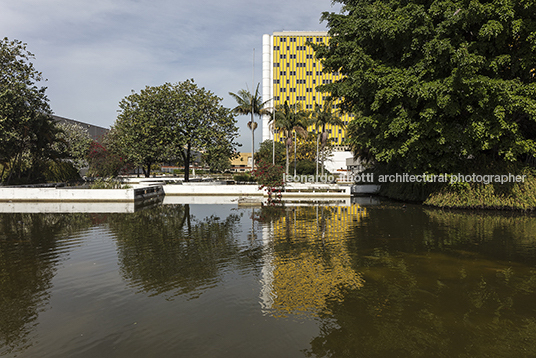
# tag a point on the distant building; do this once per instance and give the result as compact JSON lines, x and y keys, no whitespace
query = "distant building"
{"x":291,"y":73}
{"x":242,"y":163}
{"x":96,"y":132}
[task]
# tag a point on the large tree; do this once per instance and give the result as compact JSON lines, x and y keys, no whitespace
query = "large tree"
{"x":171,"y":121}
{"x":436,"y":85}
{"x":26,"y":128}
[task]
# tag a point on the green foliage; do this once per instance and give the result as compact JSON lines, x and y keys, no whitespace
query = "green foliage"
{"x":26,"y":128}
{"x":252,"y":104}
{"x":169,"y":122}
{"x":518,"y":196}
{"x":60,"y":171}
{"x":217,"y":159}
{"x":244,"y":177}
{"x":290,"y":119}
{"x":265,"y":152}
{"x":74,"y":142}
{"x":108,"y":183}
{"x":435,"y":84}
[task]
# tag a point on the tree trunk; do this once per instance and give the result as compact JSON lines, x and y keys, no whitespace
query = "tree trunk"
{"x":295,"y":154}
{"x":286,"y":148}
{"x":252,"y":142}
{"x":317,"y":158}
{"x":187,"y":163}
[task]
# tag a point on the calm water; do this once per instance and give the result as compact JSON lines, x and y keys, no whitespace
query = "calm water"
{"x":223,"y":281}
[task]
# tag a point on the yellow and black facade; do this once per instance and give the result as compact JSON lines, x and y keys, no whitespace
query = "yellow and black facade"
{"x":291,"y":73}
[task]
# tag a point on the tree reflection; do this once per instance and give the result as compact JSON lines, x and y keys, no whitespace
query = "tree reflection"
{"x":166,"y":250}
{"x":28,"y":261}
{"x":434,"y":288}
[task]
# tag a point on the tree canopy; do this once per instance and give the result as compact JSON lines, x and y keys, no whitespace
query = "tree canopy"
{"x":26,"y":128}
{"x":170,"y":121}
{"x":436,"y":85}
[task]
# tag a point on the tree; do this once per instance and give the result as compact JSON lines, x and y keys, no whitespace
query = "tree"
{"x":321,"y":117}
{"x":139,"y":133}
{"x":170,"y":121}
{"x":289,"y":119}
{"x":74,"y":142}
{"x":252,"y":104}
{"x":26,"y":128}
{"x":266,"y":151}
{"x":201,"y":122}
{"x":436,"y":85}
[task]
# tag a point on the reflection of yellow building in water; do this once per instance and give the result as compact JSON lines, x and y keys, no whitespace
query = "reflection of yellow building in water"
{"x":309,"y":262}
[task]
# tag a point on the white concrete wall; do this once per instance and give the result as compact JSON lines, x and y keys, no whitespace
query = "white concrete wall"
{"x":53,"y":194}
{"x":337,"y":161}
{"x":192,"y":189}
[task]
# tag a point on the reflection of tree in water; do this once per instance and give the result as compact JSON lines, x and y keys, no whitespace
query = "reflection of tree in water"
{"x":429,"y":297}
{"x":28,"y":259}
{"x":166,"y":250}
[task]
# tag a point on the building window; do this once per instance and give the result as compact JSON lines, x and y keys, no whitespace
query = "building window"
{"x":308,"y":90}
{"x":283,"y":39}
{"x":314,"y":82}
{"x":292,"y":73}
{"x":292,"y":39}
{"x":309,"y":56}
{"x":282,"y":56}
{"x":292,"y":89}
{"x":276,"y":82}
{"x":276,"y":64}
{"x":276,"y":48}
{"x":282,"y":89}
{"x":309,"y":39}
{"x":309,"y":73}
{"x":283,"y":73}
{"x":292,"y":56}
{"x":319,"y":39}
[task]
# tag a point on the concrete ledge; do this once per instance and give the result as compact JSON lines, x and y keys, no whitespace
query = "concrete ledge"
{"x":218,"y":190}
{"x":78,"y":195}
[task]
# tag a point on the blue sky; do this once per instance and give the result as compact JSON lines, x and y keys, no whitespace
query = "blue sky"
{"x":95,"y":52}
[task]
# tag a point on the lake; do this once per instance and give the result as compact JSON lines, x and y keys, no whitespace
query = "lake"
{"x":376,"y":279}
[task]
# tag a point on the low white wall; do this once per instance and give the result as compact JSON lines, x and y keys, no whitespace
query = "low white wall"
{"x":53,"y":194}
{"x":192,"y":189}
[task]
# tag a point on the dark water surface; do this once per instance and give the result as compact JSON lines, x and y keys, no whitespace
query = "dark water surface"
{"x":302,"y":281}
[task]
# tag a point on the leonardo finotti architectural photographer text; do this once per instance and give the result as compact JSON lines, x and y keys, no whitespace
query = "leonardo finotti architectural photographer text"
{"x":407,"y":178}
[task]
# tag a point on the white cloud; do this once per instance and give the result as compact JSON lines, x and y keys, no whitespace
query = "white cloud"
{"x":95,"y":52}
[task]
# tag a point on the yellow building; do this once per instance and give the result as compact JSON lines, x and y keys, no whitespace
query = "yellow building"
{"x":291,"y":73}
{"x":242,"y":163}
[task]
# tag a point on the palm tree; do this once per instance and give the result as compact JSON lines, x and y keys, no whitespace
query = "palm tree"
{"x":250,"y":104}
{"x":321,"y":117}
{"x":289,"y":119}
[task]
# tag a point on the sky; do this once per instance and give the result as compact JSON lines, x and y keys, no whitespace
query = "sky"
{"x":93,"y":53}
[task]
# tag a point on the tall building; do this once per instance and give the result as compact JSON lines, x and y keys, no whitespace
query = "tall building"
{"x":291,"y":73}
